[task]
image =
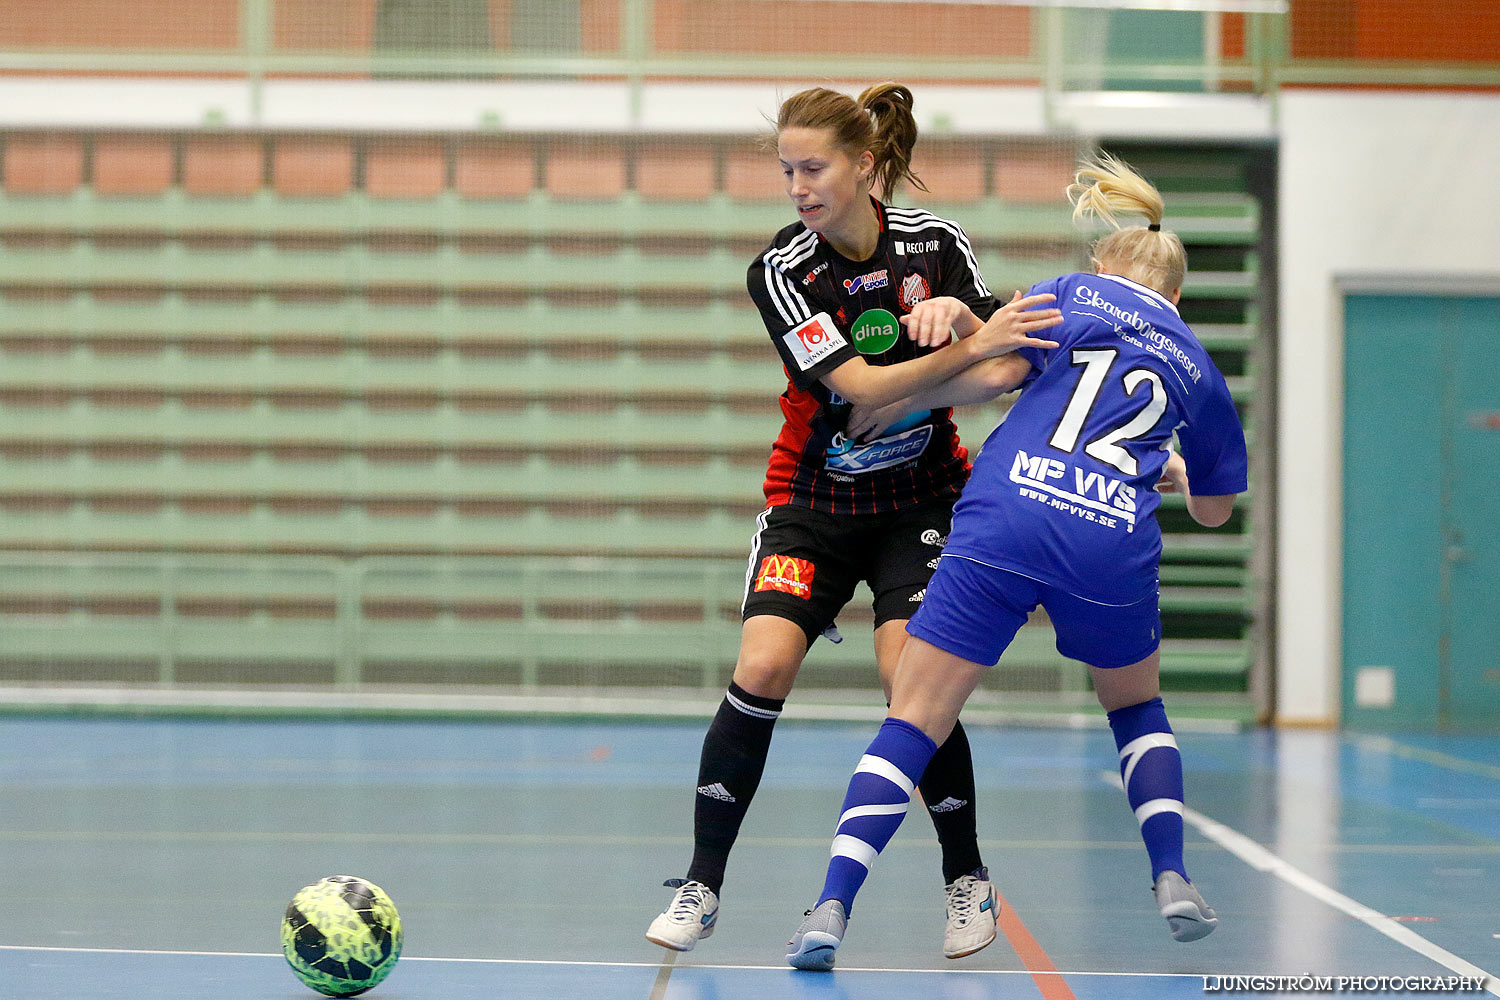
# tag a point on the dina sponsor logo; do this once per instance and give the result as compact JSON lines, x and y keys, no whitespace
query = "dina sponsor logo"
{"x":875,"y":331}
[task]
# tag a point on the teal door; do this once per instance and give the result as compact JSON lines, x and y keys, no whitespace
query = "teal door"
{"x":1472,"y":517}
{"x":1421,"y":511}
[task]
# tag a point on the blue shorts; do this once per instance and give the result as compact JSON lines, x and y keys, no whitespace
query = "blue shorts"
{"x":973,"y":610}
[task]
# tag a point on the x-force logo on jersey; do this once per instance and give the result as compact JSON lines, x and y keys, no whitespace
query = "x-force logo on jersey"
{"x":887,"y":452}
{"x":813,"y":274}
{"x":875,"y":279}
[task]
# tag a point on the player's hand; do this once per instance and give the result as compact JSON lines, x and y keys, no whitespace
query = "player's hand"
{"x":866,"y":422}
{"x":1173,"y":475}
{"x":1013,"y":324}
{"x":930,"y":322}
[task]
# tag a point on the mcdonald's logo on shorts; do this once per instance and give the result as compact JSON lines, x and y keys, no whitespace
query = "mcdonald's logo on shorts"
{"x":786,"y":574}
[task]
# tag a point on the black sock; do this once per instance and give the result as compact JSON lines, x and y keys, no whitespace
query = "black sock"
{"x":947,"y":788}
{"x":734,"y":756}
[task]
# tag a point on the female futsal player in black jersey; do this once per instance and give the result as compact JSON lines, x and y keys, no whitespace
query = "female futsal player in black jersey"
{"x":835,"y":289}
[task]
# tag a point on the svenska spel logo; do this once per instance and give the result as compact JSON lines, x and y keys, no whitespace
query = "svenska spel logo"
{"x":812,"y":341}
{"x":875,"y":331}
{"x":812,"y":335}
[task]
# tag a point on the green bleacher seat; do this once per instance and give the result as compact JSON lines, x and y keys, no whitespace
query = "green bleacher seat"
{"x":341,"y":415}
{"x":374,"y":618}
{"x":355,"y":425}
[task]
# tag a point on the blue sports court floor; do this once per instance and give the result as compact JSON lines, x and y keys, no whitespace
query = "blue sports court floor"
{"x":153,"y":858}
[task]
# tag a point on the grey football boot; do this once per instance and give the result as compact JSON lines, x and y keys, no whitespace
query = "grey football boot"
{"x":818,"y":937}
{"x":1189,"y":917}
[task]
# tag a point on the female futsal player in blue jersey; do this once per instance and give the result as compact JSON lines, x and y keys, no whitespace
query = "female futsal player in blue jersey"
{"x":833,"y":289}
{"x":1060,"y":511}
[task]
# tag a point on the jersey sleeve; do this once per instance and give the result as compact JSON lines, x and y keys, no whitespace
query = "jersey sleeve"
{"x":960,"y":274}
{"x":1212,"y":444}
{"x":808,"y":340}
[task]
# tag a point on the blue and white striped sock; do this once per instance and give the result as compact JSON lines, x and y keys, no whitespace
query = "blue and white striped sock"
{"x":875,"y":805}
{"x":1151,"y":768}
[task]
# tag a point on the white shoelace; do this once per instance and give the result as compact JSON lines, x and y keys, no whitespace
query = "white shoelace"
{"x":689,"y":901}
{"x":961,"y":899}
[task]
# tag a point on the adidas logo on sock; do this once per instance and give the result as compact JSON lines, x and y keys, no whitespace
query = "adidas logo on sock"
{"x":718,"y":791}
{"x":946,"y":806}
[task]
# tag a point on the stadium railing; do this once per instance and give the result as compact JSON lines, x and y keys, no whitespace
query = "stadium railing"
{"x":477,"y":621}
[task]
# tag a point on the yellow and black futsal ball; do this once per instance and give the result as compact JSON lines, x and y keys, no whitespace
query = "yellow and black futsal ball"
{"x":341,"y":935}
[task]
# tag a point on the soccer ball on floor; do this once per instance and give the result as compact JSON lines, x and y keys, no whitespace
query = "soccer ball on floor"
{"x":341,"y":935}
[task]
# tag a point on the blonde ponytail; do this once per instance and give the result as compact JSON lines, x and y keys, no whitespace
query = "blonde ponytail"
{"x":1105,"y":188}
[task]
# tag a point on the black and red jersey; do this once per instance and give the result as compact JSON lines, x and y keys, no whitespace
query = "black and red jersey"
{"x":823,"y":310}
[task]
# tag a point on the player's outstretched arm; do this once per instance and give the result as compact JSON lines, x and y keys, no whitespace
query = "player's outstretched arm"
{"x":1011,"y":327}
{"x":876,"y":385}
{"x":977,"y":384}
{"x":932,"y":322}
{"x":1209,"y":511}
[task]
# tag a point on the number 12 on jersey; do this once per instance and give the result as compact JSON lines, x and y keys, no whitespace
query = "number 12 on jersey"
{"x":1107,"y":447}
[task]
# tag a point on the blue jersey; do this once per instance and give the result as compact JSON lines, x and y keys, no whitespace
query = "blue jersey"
{"x":1064,"y":489}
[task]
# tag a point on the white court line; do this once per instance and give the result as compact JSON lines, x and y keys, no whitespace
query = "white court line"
{"x":1262,"y":859}
{"x":1384,"y":744}
{"x":611,"y":965}
{"x":664,"y":974}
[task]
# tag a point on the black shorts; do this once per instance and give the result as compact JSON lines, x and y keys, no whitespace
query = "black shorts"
{"x":805,"y":564}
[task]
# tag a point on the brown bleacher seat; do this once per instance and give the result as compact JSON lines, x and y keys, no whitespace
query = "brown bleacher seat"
{"x":313,"y":167}
{"x":495,"y":168}
{"x":132,"y":164}
{"x":405,"y":168}
{"x":203,"y":25}
{"x":670,"y":170}
{"x":585,"y":168}
{"x":947,"y":29}
{"x":323,"y":25}
{"x":752,"y":174}
{"x":223,"y":165}
{"x":1039,"y":173}
{"x":951,"y":173}
{"x":44,"y":163}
